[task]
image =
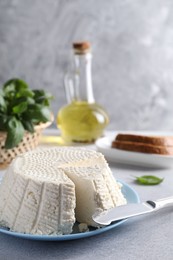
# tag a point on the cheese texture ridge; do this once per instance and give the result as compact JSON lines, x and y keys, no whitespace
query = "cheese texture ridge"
{"x":46,"y":190}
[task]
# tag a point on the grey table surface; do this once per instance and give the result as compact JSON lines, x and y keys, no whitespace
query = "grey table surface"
{"x":143,"y":237}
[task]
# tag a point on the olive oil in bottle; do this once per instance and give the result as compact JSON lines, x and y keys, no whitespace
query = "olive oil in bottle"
{"x":82,"y":119}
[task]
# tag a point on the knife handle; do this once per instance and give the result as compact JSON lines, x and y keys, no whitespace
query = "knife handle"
{"x":161,"y":203}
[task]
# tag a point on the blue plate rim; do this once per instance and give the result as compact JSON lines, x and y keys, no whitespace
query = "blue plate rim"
{"x":98,"y":231}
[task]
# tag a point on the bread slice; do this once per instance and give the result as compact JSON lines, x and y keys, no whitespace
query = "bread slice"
{"x":152,"y":140}
{"x":143,"y":147}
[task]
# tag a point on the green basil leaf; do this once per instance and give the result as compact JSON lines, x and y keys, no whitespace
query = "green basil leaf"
{"x":14,"y":85}
{"x":29,"y":126}
{"x":1,"y":92}
{"x":25,"y":93}
{"x":44,"y":114}
{"x":3,"y":105}
{"x":3,"y":120}
{"x":38,"y":93}
{"x":15,"y":132}
{"x":42,"y":97}
{"x":14,"y":102}
{"x":20,"y":108}
{"x":39,"y":113}
{"x":149,"y":180}
{"x":30,"y":101}
{"x":8,"y":87}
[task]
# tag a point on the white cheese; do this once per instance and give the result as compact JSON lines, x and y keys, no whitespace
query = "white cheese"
{"x":37,"y":200}
{"x":41,"y":189}
{"x":96,"y":188}
{"x":83,"y":227}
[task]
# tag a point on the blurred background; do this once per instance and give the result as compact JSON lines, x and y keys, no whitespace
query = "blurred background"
{"x":132,"y":45}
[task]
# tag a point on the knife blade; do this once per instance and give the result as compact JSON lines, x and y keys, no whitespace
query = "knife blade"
{"x":131,"y":210}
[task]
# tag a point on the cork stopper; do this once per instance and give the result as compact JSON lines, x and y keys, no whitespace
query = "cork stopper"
{"x":81,"y":47}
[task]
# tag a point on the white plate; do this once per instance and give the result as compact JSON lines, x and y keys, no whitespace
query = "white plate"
{"x":131,"y":197}
{"x":133,"y":158}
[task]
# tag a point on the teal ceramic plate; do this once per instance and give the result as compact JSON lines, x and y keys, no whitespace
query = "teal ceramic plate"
{"x":129,"y":193}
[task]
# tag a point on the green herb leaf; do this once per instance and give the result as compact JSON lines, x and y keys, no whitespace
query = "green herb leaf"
{"x":30,"y":101}
{"x":42,"y":97}
{"x":25,"y":93}
{"x":149,"y":180}
{"x":15,"y":132}
{"x":3,"y":120}
{"x":14,"y":85}
{"x":3,"y":106}
{"x":28,"y":125}
{"x":20,"y":108}
{"x":39,"y":113}
{"x":1,"y":92}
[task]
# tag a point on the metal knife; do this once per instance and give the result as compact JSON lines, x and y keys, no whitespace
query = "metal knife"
{"x":131,"y":210}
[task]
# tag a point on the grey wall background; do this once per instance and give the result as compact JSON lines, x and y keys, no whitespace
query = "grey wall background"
{"x":132,"y":47}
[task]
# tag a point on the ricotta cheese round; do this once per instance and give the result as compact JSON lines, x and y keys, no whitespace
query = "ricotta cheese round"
{"x":46,"y":190}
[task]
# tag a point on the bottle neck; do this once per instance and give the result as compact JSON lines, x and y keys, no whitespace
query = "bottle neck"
{"x":83,"y":77}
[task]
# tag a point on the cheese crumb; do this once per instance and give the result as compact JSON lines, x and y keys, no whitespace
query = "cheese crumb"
{"x":83,"y":227}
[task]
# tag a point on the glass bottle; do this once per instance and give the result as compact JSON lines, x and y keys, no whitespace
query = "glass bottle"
{"x":82,"y":119}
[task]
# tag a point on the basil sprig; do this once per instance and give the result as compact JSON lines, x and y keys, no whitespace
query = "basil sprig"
{"x":148,"y":180}
{"x":21,"y":109}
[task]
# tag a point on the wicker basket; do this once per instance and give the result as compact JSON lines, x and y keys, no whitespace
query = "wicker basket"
{"x":29,"y":142}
